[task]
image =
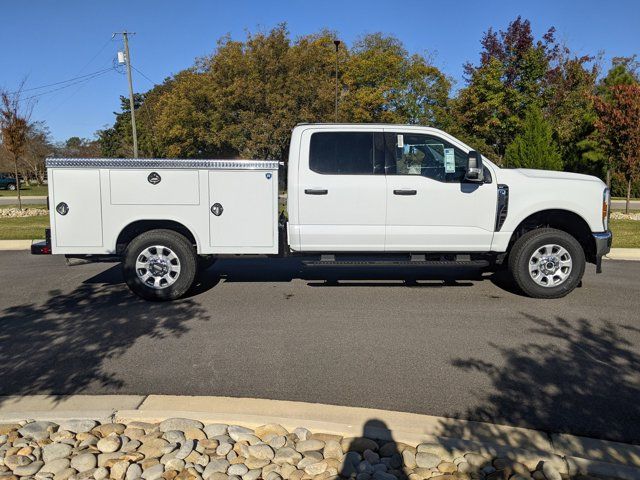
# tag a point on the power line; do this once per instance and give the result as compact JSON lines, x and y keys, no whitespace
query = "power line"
{"x":61,"y":82}
{"x":94,"y":75}
{"x":143,"y":75}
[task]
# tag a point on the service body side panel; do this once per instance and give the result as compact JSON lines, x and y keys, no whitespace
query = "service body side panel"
{"x":107,"y":195}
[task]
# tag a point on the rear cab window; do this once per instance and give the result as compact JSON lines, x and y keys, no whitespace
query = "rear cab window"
{"x":347,"y":153}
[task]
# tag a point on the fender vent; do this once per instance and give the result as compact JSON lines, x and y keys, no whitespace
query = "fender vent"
{"x":502,"y":206}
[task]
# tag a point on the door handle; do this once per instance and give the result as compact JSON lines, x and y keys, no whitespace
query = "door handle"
{"x":311,"y":191}
{"x":405,"y":192}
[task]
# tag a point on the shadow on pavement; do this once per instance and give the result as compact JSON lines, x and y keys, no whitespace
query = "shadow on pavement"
{"x":59,"y":347}
{"x":588,"y":384}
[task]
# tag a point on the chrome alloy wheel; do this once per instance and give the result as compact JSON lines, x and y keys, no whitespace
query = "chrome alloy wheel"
{"x":158,"y":267}
{"x":550,"y":265}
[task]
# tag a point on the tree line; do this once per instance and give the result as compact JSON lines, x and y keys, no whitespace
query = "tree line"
{"x":526,"y":102}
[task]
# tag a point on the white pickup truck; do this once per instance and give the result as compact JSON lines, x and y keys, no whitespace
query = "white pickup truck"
{"x":357,"y":195}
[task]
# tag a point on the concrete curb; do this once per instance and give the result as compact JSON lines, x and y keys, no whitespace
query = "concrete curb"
{"x":624,"y":254}
{"x":10,"y":245}
{"x":570,"y":454}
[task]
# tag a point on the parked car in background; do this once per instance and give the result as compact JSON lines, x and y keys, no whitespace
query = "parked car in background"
{"x":7,"y":182}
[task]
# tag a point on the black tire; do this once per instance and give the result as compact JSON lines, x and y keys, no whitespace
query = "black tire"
{"x":176,"y":244}
{"x":11,"y":186}
{"x":521,"y":254}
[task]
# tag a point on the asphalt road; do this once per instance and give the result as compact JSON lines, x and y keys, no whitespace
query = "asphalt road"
{"x":463,"y":347}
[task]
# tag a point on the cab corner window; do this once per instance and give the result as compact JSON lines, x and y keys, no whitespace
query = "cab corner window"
{"x":424,"y":155}
{"x":344,"y":153}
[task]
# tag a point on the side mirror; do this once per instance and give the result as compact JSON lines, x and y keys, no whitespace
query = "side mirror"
{"x":475,"y":171}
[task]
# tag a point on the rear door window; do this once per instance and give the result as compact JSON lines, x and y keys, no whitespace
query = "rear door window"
{"x":347,"y":153}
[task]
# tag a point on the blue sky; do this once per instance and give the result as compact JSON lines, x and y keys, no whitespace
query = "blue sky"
{"x":50,"y":41}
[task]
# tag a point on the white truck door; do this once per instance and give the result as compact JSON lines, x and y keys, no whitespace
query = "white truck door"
{"x":243,"y":211}
{"x":341,"y":191}
{"x":429,"y":205}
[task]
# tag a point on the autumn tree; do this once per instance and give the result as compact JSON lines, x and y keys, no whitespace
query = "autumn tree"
{"x":14,"y":127}
{"x":509,"y":78}
{"x":619,"y":124}
{"x":535,"y":146}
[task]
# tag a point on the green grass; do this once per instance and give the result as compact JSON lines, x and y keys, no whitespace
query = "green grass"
{"x":626,"y":233}
{"x":23,"y":228}
{"x":27,"y":191}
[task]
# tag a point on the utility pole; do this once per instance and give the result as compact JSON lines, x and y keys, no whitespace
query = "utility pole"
{"x":127,"y":59}
{"x":337,"y":44}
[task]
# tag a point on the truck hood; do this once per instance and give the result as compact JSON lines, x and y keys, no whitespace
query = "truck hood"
{"x":551,"y":174}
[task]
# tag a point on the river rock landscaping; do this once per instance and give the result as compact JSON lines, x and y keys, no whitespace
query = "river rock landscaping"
{"x":182,"y":449}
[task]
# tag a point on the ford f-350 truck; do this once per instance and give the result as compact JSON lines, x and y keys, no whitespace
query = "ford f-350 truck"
{"x":357,"y":194}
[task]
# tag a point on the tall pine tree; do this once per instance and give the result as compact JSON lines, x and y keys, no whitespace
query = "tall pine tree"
{"x":535,"y":146}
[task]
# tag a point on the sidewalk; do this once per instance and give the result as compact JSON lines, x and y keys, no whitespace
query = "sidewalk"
{"x":452,"y":441}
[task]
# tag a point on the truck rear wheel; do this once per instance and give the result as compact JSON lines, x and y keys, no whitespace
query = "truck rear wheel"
{"x":547,"y":263}
{"x":159,"y":265}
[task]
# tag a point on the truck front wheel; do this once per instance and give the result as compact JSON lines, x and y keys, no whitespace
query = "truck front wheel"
{"x":547,"y":263}
{"x":159,"y":265}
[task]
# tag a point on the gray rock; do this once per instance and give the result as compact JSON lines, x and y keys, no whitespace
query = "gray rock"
{"x":54,"y":451}
{"x":277,"y":441}
{"x":214,"y":476}
{"x":174,"y":436}
{"x":235,"y":432}
{"x":215,"y":429}
{"x":14,"y":461}
{"x":315,"y":468}
{"x":409,"y":458}
{"x":37,"y":430}
{"x":476,"y":460}
{"x":238,"y":469}
{"x":263,"y":452}
{"x":174,"y":464}
{"x":185,"y":449}
{"x":550,"y":472}
{"x":101,"y":473}
{"x":119,"y":470}
{"x":286,"y":455}
{"x":253,"y":463}
{"x":109,"y":444}
{"x":273,"y":476}
{"x":84,"y":461}
{"x":232,"y":455}
{"x":131,"y":446}
{"x":302,"y":433}
{"x":28,"y":470}
{"x":154,"y":472}
{"x":223,"y":449}
{"x":233,"y":477}
{"x":380,"y":475}
{"x":310,"y":445}
{"x":365,"y":467}
{"x":181,"y":424}
{"x":252,"y":474}
{"x":219,"y":465}
{"x":363,"y":476}
{"x":332,"y":449}
{"x":371,"y":457}
{"x":134,"y":471}
{"x":223,"y":439}
{"x":55,"y":466}
{"x":427,"y":460}
{"x":78,"y":426}
{"x":350,"y":463}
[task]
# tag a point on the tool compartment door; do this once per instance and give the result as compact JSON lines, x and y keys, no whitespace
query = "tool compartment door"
{"x":76,"y":209}
{"x":243,"y":211}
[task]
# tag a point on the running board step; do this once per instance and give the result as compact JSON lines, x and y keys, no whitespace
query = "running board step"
{"x":397,"y":263}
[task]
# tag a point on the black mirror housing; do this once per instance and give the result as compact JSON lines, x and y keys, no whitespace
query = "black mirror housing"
{"x":475,"y":169}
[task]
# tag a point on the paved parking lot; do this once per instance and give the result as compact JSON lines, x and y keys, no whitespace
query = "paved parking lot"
{"x":457,"y":345}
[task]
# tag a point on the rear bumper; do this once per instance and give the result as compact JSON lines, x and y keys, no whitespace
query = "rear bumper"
{"x":43,"y":247}
{"x":603,"y":246}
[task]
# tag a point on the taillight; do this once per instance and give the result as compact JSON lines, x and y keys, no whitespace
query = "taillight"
{"x":606,"y":208}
